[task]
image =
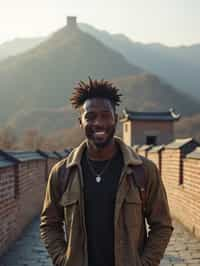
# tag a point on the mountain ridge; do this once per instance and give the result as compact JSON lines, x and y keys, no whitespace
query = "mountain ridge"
{"x":36,"y":83}
{"x":35,"y":77}
{"x":179,"y":66}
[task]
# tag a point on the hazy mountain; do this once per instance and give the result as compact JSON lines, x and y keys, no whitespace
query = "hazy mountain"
{"x":18,"y":46}
{"x":146,"y":92}
{"x":44,"y":76}
{"x":45,"y":120}
{"x":143,"y":92}
{"x":180,"y":66}
{"x":189,"y":53}
{"x":35,"y":85}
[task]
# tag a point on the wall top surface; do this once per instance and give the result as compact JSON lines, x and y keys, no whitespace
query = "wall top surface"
{"x":180,"y":143}
{"x":21,"y":156}
{"x":157,"y":148}
{"x":61,"y":154}
{"x":195,"y":154}
{"x":145,"y":147}
{"x":5,"y":162}
{"x":48,"y":154}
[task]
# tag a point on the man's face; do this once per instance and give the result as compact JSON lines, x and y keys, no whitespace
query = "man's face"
{"x":98,"y":121}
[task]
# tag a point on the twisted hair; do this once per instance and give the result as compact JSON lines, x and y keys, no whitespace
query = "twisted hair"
{"x":95,"y":89}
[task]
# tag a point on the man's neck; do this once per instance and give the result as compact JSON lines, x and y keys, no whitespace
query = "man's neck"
{"x":100,"y":154}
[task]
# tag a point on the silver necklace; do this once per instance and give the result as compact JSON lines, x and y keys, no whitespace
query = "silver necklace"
{"x":98,"y":176}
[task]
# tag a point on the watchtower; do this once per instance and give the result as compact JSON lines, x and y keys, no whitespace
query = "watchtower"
{"x":151,"y":128}
{"x":71,"y":22}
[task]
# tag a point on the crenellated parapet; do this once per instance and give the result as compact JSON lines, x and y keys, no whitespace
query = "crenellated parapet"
{"x":179,"y":165}
{"x":23,"y":177}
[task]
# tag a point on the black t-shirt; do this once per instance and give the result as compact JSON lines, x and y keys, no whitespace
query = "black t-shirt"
{"x":99,"y":208}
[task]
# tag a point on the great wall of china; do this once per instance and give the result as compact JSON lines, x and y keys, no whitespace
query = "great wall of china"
{"x":23,"y":177}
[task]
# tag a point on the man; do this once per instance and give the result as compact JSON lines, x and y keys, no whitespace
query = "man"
{"x":98,"y":200}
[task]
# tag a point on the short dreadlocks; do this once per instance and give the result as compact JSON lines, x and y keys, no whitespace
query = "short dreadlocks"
{"x":95,"y":89}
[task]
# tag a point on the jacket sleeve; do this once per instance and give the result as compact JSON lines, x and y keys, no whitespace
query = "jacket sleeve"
{"x":158,"y":218}
{"x":52,"y":221}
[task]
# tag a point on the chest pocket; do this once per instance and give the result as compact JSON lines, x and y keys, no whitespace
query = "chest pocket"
{"x":71,"y":204}
{"x":133,"y":208}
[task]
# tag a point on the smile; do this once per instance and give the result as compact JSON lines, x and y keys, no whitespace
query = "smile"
{"x":99,"y":133}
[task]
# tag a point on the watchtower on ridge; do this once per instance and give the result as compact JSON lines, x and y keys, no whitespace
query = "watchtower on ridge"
{"x":71,"y":22}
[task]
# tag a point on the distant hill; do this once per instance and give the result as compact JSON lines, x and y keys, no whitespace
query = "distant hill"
{"x":146,"y":92}
{"x":143,"y":92}
{"x":45,"y":120}
{"x":35,"y":86}
{"x":44,"y":76}
{"x":189,"y":126}
{"x":18,"y":46}
{"x":180,"y":66}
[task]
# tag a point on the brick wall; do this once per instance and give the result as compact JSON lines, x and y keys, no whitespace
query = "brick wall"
{"x":142,"y":153}
{"x":190,"y":196}
{"x":22,"y":187}
{"x":8,"y":207}
{"x":184,"y":196}
{"x":31,"y":183}
{"x":156,"y":158}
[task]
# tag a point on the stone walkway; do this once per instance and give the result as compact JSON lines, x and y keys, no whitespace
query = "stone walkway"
{"x":183,"y":249}
{"x":28,"y":250}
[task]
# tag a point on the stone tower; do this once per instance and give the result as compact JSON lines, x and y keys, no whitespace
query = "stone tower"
{"x":71,"y":22}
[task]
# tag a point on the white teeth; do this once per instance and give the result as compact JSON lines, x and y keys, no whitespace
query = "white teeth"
{"x":99,"y":133}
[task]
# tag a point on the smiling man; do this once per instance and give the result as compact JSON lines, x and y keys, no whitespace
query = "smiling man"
{"x":94,"y":194}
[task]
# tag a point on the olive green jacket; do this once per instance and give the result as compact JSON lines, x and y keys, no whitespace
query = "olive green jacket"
{"x":62,"y":226}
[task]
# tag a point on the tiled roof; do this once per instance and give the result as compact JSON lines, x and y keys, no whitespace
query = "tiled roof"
{"x":150,"y":116}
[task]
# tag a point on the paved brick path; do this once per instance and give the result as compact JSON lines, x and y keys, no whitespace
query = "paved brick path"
{"x":183,"y":249}
{"x":28,"y":250}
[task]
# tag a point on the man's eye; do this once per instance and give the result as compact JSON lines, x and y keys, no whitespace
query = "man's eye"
{"x":89,"y":117}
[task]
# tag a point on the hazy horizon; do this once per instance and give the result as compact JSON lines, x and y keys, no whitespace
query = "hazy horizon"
{"x":172,"y":23}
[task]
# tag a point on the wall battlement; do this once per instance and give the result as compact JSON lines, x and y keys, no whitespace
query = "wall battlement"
{"x":179,"y":166}
{"x":23,"y":177}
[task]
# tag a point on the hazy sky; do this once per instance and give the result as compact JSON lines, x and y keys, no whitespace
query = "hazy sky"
{"x":171,"y":22}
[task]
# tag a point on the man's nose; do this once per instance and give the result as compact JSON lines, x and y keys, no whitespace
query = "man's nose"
{"x":98,"y":121}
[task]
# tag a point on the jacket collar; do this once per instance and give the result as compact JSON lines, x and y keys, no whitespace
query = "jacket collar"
{"x":129,"y":156}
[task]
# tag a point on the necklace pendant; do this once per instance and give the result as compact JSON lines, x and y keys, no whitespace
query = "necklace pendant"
{"x":98,"y":179}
